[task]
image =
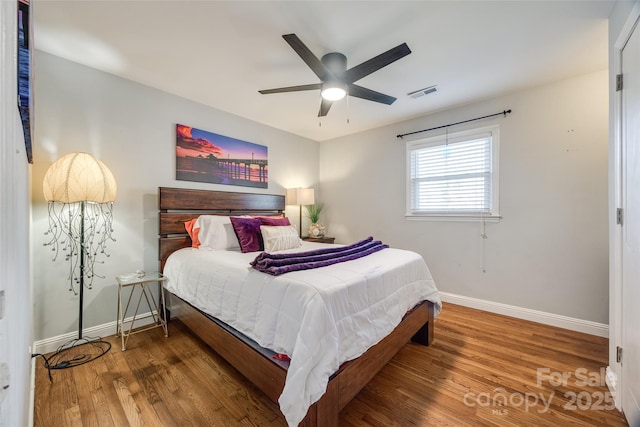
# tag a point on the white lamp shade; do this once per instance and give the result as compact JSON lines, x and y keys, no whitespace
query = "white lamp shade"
{"x":300,"y":196}
{"x":79,"y":177}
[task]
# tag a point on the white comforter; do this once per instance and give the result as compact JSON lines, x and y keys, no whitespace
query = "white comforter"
{"x":319,"y":318}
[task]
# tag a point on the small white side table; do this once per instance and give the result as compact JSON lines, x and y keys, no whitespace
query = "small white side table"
{"x":144,"y":282}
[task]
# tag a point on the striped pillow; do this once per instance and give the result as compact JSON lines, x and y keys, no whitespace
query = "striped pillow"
{"x":279,"y":238}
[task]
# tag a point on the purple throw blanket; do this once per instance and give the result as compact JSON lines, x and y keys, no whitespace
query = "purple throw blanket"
{"x":276,"y":264}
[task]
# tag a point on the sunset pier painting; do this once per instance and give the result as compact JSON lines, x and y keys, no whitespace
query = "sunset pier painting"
{"x":203,"y":156}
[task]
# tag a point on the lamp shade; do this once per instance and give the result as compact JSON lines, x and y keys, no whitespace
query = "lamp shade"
{"x":79,"y":177}
{"x":300,"y":196}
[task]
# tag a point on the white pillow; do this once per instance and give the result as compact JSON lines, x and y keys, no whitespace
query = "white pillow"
{"x":280,"y":237}
{"x":216,"y":232}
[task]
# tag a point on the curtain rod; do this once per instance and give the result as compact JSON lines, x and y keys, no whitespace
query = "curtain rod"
{"x":505,"y":112}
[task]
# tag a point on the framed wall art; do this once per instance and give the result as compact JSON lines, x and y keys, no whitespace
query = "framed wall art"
{"x":25,"y":53}
{"x":203,"y":156}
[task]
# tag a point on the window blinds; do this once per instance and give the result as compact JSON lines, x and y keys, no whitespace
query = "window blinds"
{"x":452,"y":176}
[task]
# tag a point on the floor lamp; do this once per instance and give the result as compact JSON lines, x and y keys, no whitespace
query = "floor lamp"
{"x":300,"y":197}
{"x":80,"y":191}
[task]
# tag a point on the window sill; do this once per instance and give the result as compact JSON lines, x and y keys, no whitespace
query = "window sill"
{"x":454,"y":217}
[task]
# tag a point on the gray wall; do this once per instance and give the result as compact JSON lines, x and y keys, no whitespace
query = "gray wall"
{"x":549,"y":252}
{"x":131,"y":128}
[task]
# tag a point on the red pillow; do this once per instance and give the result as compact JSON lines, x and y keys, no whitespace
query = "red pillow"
{"x":248,"y":232}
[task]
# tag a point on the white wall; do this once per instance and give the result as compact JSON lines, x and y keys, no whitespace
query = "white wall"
{"x":15,"y":280}
{"x":549,"y":252}
{"x":131,"y":128}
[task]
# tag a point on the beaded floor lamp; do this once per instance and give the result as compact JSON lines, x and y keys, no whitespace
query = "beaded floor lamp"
{"x":80,"y":191}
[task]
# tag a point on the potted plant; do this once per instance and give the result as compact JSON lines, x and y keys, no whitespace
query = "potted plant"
{"x":315,"y":228}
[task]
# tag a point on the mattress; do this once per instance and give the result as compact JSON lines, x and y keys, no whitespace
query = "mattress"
{"x":320,"y":318}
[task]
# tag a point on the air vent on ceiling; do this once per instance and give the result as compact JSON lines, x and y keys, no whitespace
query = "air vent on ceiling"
{"x":422,"y":92}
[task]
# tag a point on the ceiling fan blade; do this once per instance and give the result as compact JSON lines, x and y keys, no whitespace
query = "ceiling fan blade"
{"x":308,"y":57}
{"x":370,"y":95}
{"x":324,"y":107}
{"x":374,"y":64}
{"x":313,"y":86}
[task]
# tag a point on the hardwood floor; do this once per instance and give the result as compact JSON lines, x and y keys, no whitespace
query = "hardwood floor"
{"x":542,"y":376}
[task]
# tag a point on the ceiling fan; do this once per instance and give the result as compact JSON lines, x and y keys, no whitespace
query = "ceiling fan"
{"x":336,"y":80}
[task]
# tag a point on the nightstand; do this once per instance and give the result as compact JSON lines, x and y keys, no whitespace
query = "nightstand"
{"x":319,"y":239}
{"x":143,"y":281}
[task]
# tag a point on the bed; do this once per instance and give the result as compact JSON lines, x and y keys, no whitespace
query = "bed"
{"x":259,"y":364}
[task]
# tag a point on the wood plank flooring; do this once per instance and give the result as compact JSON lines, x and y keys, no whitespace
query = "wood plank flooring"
{"x":482,"y":370}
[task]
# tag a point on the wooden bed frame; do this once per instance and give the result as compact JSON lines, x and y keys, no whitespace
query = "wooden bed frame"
{"x":255,"y":363}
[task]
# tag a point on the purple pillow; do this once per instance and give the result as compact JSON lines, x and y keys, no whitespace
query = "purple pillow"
{"x":265,"y":220}
{"x":248,"y":232}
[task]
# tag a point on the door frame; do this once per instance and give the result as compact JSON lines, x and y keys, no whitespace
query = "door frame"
{"x":16,"y":336}
{"x":614,"y":377}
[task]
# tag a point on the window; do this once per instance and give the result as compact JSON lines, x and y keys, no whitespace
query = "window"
{"x":454,"y":175}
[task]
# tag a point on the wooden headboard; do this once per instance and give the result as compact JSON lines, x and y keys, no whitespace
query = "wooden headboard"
{"x":178,"y":205}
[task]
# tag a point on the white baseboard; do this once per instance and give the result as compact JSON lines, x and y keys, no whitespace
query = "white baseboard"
{"x":107,"y":329}
{"x":571,"y":323}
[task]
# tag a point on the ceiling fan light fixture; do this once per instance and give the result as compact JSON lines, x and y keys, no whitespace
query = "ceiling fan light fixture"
{"x":336,"y":81}
{"x":333,"y":91}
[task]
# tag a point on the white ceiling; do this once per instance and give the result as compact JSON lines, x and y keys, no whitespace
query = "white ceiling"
{"x":220,"y":53}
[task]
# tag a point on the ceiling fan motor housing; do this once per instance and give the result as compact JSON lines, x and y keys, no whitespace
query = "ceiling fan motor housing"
{"x":335,"y":62}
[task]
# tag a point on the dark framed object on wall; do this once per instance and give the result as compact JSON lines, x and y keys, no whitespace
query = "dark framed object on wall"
{"x":24,"y":74}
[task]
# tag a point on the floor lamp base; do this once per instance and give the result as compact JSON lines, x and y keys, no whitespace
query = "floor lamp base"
{"x":74,"y":353}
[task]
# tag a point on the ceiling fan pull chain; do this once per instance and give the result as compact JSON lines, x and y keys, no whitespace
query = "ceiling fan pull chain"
{"x":347,"y":109}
